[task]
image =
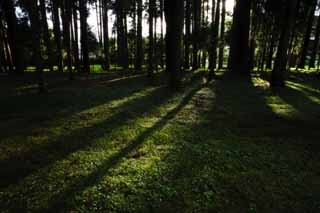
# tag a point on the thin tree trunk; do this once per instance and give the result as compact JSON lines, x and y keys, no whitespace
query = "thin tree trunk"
{"x":66,"y":34}
{"x":162,"y":35}
{"x":215,"y":39}
{"x":196,"y":32}
{"x":106,"y":35}
{"x":46,"y":35}
{"x":15,"y":49}
{"x":84,"y":35}
{"x":76,"y":36}
{"x":187,"y":36}
{"x":151,"y":38}
{"x":139,"y":48}
{"x":222,"y":38}
{"x":57,"y":34}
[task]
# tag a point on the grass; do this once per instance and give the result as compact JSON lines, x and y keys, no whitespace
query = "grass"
{"x":124,"y":145}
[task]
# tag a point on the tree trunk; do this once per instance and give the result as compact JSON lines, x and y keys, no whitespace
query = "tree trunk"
{"x":162,"y":36}
{"x":76,"y":36}
{"x":121,"y":31}
{"x":34,"y":16}
{"x":239,"y":47}
{"x":151,"y":38}
{"x":315,"y":46}
{"x":84,"y":35}
{"x":221,"y":46}
{"x":215,"y":40}
{"x":174,"y":18}
{"x":187,"y":36}
{"x":277,"y":77}
{"x":46,"y":35}
{"x":106,"y":35}
{"x":196,"y":32}
{"x":307,"y":36}
{"x":139,"y":48}
{"x":15,"y":49}
{"x":57,"y":34}
{"x":66,"y":34}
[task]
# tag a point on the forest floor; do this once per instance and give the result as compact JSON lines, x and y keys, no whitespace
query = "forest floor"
{"x":122,"y":144}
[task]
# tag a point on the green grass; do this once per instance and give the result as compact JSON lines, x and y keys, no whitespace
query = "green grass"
{"x":125,"y":145}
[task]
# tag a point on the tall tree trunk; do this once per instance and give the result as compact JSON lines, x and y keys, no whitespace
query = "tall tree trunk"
{"x":57,"y":33}
{"x":277,"y":77}
{"x":76,"y":36}
{"x":215,"y":39}
{"x":151,"y":38}
{"x":271,"y":46}
{"x":174,"y":18}
{"x":187,"y":36}
{"x":15,"y":49}
{"x":239,"y":47}
{"x":84,"y":35}
{"x":46,"y":35}
{"x":121,"y":31}
{"x":162,"y":35}
{"x":139,"y":48}
{"x":106,"y":35}
{"x":34,"y":16}
{"x":315,"y":46}
{"x":221,"y":46}
{"x":307,"y":36}
{"x":196,"y":32}
{"x":66,"y":34}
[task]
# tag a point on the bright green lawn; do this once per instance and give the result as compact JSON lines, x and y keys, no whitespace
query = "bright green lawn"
{"x":130,"y":146}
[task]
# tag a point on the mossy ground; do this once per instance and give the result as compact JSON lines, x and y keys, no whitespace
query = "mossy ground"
{"x":122,"y":144}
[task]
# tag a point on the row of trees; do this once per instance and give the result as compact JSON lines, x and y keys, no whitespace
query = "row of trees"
{"x":266,"y":34}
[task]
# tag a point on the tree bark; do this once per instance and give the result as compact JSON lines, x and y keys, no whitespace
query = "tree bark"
{"x":174,"y":11}
{"x":222,"y":43}
{"x":196,"y":32}
{"x":57,"y":34}
{"x":151,"y":38}
{"x":307,"y":35}
{"x":106,"y":35}
{"x":315,"y":46}
{"x":15,"y":49}
{"x":84,"y":35}
{"x":139,"y":48}
{"x":239,"y":47}
{"x":187,"y":36}
{"x":277,"y":77}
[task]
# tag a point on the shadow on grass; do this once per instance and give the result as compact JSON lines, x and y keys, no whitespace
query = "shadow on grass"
{"x":59,"y":201}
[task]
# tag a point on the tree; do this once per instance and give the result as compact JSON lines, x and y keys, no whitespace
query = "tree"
{"x":307,"y":35}
{"x":33,"y":10}
{"x":139,"y":48}
{"x":222,"y":43}
{"x":215,"y":32}
{"x":315,"y":45}
{"x":239,"y":46}
{"x":15,"y":50}
{"x":287,"y":22}
{"x":174,"y":17}
{"x":57,"y":32}
{"x":66,"y":17}
{"x":196,"y":32}
{"x":84,"y":35}
{"x":187,"y":35}
{"x":123,"y":59}
{"x":151,"y":37}
{"x":105,"y":6}
{"x":46,"y":35}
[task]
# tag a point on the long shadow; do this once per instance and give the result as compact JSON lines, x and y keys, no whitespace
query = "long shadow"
{"x":18,"y":167}
{"x":39,"y":156}
{"x":34,"y":110}
{"x":59,"y":202}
